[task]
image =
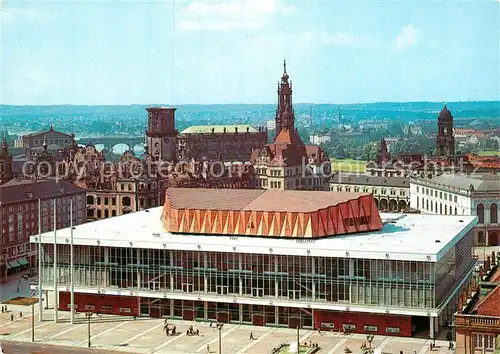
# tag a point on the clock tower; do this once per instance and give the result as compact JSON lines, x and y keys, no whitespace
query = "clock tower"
{"x":161,"y":134}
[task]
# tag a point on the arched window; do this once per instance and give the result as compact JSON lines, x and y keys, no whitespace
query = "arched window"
{"x":446,"y":210}
{"x":493,"y":214}
{"x":440,"y":208}
{"x":480,"y":213}
{"x":90,"y":199}
{"x":427,"y":204}
{"x":455,"y":210}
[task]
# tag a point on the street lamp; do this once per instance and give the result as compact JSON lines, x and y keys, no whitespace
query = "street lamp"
{"x":369,"y":338}
{"x":88,"y":315}
{"x":33,"y":322}
{"x":219,"y":326}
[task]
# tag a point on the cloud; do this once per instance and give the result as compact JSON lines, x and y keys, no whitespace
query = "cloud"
{"x":408,"y":37}
{"x":12,"y":15}
{"x":229,"y":15}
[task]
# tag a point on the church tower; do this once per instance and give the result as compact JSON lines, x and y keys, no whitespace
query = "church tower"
{"x":445,"y":142}
{"x":6,"y":173}
{"x":383,"y":153}
{"x":285,"y":117}
{"x":161,"y":134}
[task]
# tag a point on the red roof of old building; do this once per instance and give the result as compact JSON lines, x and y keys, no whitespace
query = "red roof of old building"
{"x":20,"y":190}
{"x":490,"y":305}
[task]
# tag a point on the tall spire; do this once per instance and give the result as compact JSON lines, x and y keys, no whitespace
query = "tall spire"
{"x":284,"y":112}
{"x":285,"y":76}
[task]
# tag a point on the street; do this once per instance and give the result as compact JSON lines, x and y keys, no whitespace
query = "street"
{"x":34,"y":348}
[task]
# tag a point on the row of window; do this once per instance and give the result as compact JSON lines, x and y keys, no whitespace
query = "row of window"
{"x":484,"y":341}
{"x":126,"y":201}
{"x":434,"y":193}
{"x":432,"y":207}
{"x":357,"y":189}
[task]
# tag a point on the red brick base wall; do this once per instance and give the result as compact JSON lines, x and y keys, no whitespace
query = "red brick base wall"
{"x":364,"y":323}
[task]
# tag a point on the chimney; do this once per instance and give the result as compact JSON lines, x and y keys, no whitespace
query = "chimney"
{"x":488,"y":264}
{"x":493,"y":258}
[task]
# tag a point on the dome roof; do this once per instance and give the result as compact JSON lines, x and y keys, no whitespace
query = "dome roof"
{"x":445,"y":115}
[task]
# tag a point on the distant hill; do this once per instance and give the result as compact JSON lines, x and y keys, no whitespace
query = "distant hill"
{"x":132,"y":119}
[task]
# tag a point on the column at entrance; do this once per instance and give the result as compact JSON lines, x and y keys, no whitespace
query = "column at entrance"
{"x":431,"y":327}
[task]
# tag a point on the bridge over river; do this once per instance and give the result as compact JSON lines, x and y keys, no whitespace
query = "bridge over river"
{"x":110,"y":142}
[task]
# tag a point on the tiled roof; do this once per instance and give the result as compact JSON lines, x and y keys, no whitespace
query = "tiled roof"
{"x":343,"y":178}
{"x":19,"y":190}
{"x":481,"y":183}
{"x":490,"y":305}
{"x":45,"y":132}
{"x":218,"y":129}
{"x":256,"y":200}
{"x":287,"y":136}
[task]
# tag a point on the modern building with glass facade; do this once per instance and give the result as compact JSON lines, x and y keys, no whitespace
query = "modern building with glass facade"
{"x":402,"y":279}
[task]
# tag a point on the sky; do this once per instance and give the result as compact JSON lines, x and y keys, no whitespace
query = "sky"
{"x":232,"y":51}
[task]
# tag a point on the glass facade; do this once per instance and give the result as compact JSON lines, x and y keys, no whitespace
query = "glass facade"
{"x":386,"y":283}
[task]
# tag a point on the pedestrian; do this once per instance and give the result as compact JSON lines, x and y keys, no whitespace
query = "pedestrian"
{"x":319,"y":331}
{"x":401,"y":352}
{"x":208,"y":348}
{"x":11,"y":317}
{"x":2,"y":309}
{"x":20,"y":315}
{"x":210,"y":324}
{"x":251,"y":335}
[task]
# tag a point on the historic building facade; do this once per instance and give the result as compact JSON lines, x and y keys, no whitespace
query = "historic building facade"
{"x":220,"y":142}
{"x":453,"y":194}
{"x":443,"y":161}
{"x":19,"y":210}
{"x":477,"y":321}
{"x":161,"y":134}
{"x":51,"y":140}
{"x":288,"y":163}
{"x":391,"y":194}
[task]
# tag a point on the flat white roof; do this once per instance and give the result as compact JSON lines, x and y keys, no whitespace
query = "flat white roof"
{"x":407,"y":237}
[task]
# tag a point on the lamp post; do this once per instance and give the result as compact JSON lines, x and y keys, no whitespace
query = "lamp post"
{"x":88,"y":315}
{"x":33,"y":322}
{"x":219,"y":327}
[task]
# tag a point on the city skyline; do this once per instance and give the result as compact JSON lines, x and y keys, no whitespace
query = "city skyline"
{"x":190,"y":52}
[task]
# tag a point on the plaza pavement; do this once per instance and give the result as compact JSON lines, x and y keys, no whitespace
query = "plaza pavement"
{"x":145,"y":335}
